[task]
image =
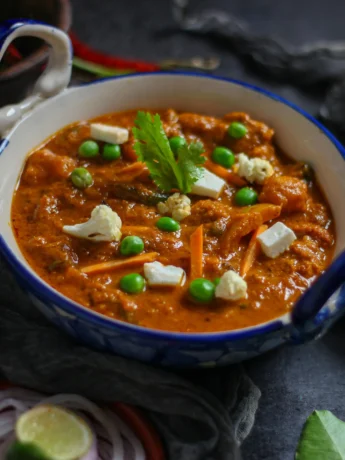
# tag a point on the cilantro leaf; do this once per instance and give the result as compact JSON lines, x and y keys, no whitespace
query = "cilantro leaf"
{"x":189,"y":157}
{"x":153,"y":148}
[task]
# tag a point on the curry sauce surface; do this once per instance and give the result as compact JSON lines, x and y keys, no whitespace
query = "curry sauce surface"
{"x":46,"y":200}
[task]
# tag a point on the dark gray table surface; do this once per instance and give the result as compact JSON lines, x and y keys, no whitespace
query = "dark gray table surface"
{"x":294,"y":380}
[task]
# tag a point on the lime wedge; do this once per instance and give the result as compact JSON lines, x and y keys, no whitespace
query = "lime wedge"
{"x":24,"y":451}
{"x":58,"y":433}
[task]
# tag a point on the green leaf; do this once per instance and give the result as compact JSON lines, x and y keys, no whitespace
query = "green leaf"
{"x":25,"y":451}
{"x":189,"y":158}
{"x":96,"y":69}
{"x":322,"y":438}
{"x":153,"y":148}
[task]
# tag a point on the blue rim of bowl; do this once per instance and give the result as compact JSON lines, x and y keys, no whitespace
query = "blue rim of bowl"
{"x":44,"y":292}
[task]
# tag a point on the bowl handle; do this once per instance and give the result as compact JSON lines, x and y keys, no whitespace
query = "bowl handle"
{"x":311,"y":302}
{"x":55,"y":77}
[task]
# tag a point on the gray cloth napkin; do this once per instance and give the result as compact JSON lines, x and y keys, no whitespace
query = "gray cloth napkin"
{"x":203,"y":415}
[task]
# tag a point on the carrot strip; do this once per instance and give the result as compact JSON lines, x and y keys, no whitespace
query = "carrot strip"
{"x":196,"y":250}
{"x":133,"y":167}
{"x":132,"y":171}
{"x":135,"y":228}
{"x":226,"y":174}
{"x":252,"y":251}
{"x":247,"y":221}
{"x":147,"y":232}
{"x":267,"y":211}
{"x":116,"y":264}
{"x":138,"y":166}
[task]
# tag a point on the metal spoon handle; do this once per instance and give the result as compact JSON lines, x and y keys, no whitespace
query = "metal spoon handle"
{"x":199,"y":63}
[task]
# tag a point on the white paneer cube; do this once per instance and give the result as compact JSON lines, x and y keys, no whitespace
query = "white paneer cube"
{"x":209,"y":185}
{"x":158,"y":274}
{"x":276,"y":239}
{"x":103,"y":225}
{"x":231,"y":286}
{"x":109,"y":134}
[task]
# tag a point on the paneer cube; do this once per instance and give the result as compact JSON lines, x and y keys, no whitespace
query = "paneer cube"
{"x":109,"y":134}
{"x":209,"y":185}
{"x":275,"y":240}
{"x":158,"y":274}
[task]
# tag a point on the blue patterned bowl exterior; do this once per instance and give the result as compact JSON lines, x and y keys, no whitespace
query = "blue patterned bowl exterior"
{"x":298,"y":132}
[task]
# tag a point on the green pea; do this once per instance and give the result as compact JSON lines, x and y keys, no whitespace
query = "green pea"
{"x":111,"y":152}
{"x":132,"y":283}
{"x":246,"y":196}
{"x":202,"y":290}
{"x":131,"y":245}
{"x":216,"y":281}
{"x":176,"y":142}
{"x":237,"y":130}
{"x":81,"y":178}
{"x":223,"y":156}
{"x":88,"y":149}
{"x":167,"y":224}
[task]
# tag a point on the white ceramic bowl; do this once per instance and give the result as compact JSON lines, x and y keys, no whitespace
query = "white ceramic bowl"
{"x":298,"y":134}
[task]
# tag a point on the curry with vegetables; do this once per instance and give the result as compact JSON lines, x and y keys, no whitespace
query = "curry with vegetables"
{"x":172,"y":220}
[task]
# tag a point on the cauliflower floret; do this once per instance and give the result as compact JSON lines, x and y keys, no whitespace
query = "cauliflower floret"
{"x":231,"y":286}
{"x":104,"y":225}
{"x":178,"y":205}
{"x":254,"y":169}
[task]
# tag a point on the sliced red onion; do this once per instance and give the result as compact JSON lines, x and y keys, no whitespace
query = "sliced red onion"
{"x":10,"y":402}
{"x":92,"y":454}
{"x":5,"y":432}
{"x":7,"y":418}
{"x":78,"y":402}
{"x":107,"y":426}
{"x":6,"y":445}
{"x":25,"y":396}
{"x":129,"y":435}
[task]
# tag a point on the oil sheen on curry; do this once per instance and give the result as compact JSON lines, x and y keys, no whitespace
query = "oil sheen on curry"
{"x":173,"y":221}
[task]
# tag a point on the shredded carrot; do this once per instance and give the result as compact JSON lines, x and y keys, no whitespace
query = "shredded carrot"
{"x":247,"y":221}
{"x":139,"y":230}
{"x":117,"y":264}
{"x":196,"y":250}
{"x":133,"y":170}
{"x":267,"y":211}
{"x":226,"y":174}
{"x":252,"y":251}
{"x":133,"y":167}
{"x":135,"y":228}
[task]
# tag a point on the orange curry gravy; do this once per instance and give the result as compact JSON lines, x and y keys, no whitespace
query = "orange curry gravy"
{"x":46,"y":200}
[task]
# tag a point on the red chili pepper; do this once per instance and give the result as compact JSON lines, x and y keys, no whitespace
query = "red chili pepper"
{"x":88,"y":54}
{"x":12,"y":55}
